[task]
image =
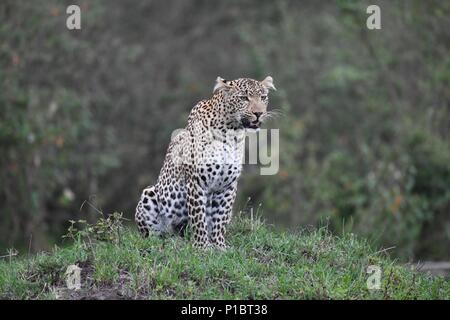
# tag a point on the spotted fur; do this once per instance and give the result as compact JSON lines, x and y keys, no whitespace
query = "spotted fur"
{"x":198,"y":181}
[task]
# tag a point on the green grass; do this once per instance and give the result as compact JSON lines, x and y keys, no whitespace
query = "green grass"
{"x":261,"y":263}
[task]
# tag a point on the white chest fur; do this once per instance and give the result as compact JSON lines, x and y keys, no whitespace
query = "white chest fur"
{"x":220,"y":162}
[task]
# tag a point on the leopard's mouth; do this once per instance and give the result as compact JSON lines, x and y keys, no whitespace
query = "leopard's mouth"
{"x":247,"y":124}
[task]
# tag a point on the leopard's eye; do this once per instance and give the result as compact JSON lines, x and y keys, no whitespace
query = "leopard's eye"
{"x":243,"y":98}
{"x":264,"y":97}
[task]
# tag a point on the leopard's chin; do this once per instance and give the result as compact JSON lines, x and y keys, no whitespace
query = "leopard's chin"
{"x":256,"y":125}
{"x":253,"y":126}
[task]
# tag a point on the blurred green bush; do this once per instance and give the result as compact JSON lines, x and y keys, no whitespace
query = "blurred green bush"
{"x":364,"y":136}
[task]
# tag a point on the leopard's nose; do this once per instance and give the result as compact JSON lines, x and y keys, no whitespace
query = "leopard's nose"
{"x":257,"y":115}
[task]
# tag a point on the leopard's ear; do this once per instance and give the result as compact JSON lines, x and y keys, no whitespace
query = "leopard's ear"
{"x":221,"y":83}
{"x":268,"y":83}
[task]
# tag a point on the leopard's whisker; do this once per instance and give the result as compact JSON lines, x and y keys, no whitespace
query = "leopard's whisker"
{"x":272,"y":114}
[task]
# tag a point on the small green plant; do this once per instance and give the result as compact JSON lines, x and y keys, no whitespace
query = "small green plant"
{"x":11,"y":253}
{"x":106,"y":228}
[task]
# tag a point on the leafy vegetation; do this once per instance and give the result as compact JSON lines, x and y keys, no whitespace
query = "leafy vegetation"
{"x":364,"y":136}
{"x":261,"y":263}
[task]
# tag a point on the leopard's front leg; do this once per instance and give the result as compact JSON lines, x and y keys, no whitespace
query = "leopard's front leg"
{"x":221,"y":212}
{"x":196,"y":203}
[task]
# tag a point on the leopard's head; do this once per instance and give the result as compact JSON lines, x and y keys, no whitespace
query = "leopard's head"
{"x":245,"y":100}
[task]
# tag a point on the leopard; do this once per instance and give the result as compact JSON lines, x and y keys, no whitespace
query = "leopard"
{"x":197,"y":184}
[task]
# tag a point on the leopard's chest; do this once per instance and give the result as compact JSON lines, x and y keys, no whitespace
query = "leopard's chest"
{"x":220,"y":165}
{"x":217,"y":177}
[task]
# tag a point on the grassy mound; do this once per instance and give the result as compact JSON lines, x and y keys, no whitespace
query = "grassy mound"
{"x":261,"y":263}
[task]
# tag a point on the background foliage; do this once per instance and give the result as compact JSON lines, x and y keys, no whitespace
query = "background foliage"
{"x":364,"y":139}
